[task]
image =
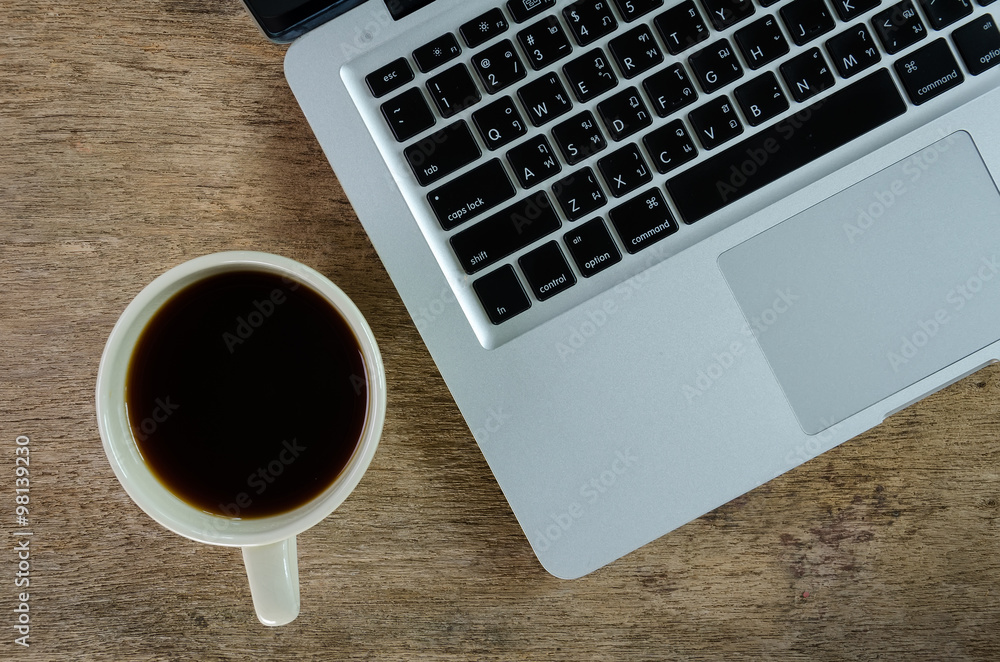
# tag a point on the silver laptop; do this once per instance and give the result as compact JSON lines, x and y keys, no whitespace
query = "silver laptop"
{"x":663,"y":251}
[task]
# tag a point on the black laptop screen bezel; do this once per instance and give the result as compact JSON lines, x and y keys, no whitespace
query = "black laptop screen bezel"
{"x":304,"y":15}
{"x":300,"y":18}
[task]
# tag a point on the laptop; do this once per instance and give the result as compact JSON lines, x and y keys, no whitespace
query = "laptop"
{"x":663,"y":251}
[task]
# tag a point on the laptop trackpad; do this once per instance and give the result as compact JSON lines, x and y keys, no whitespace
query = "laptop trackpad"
{"x":878,"y":286}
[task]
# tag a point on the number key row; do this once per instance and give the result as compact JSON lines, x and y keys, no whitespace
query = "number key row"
{"x":546,"y":41}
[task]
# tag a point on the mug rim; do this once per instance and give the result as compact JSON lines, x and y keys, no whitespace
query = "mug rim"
{"x":138,"y":480}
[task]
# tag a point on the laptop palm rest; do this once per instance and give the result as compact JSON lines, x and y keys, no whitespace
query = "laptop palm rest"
{"x":878,"y":286}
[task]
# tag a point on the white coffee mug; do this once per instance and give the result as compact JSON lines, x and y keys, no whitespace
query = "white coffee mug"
{"x":269,"y":550}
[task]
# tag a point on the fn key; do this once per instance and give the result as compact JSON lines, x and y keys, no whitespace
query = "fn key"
{"x":501,"y":294}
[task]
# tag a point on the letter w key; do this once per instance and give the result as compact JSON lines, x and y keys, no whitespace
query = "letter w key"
{"x":545,"y":99}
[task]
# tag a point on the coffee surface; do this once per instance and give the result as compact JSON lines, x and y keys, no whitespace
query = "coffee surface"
{"x":247,"y":394}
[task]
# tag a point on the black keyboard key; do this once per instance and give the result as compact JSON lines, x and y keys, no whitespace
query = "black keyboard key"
{"x":533,"y":161}
{"x":853,"y":50}
{"x":983,"y":3}
{"x":624,"y":113}
{"x":929,"y":71}
{"x":589,"y":20}
{"x":544,"y":42}
{"x":785,"y":146}
{"x":624,"y":170}
{"x":636,"y":51}
{"x":670,"y":89}
{"x":715,"y":66}
{"x":453,"y":90}
{"x":501,"y":294}
{"x":715,"y":122}
{"x":546,"y":270}
{"x":499,"y":66}
{"x":471,"y":194}
{"x":850,"y":9}
{"x":761,"y":42}
{"x":592,"y":247}
{"x":643,"y":221}
{"x":579,"y":194}
{"x":505,"y":232}
{"x":545,"y":99}
{"x":408,"y":114}
{"x":442,"y":153}
{"x":522,"y":10}
{"x":681,"y":27}
{"x":590,"y":75}
{"x":807,"y":74}
{"x":389,"y":78}
{"x":978,"y":43}
{"x":633,"y":9}
{"x":499,"y":123}
{"x":437,"y":52}
{"x":806,"y":20}
{"x":670,"y":146}
{"x":898,"y":26}
{"x":579,"y":137}
{"x":942,"y":13}
{"x":761,"y":99}
{"x":481,"y":29}
{"x":726,"y":13}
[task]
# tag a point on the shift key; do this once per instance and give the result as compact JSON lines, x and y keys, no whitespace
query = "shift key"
{"x":471,"y":194}
{"x":505,"y":232}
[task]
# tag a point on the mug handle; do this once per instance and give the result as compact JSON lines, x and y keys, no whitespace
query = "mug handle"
{"x":273,"y":571}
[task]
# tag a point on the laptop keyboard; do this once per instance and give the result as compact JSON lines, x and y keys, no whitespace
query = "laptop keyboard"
{"x":550,"y":142}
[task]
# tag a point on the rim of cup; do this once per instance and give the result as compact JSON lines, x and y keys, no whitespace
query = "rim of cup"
{"x":116,"y":432}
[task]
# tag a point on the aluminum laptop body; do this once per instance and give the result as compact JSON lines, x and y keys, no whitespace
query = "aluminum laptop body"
{"x":704,"y":363}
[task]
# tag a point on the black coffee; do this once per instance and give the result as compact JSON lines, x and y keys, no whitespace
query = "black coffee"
{"x":247,"y":394}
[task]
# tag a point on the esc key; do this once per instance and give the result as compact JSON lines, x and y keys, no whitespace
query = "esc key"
{"x":390,"y":77}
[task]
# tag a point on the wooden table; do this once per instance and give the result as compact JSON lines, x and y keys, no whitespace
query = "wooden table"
{"x":134,"y":136}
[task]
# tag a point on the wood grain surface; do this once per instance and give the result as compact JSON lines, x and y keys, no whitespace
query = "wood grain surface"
{"x":134,"y":136}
